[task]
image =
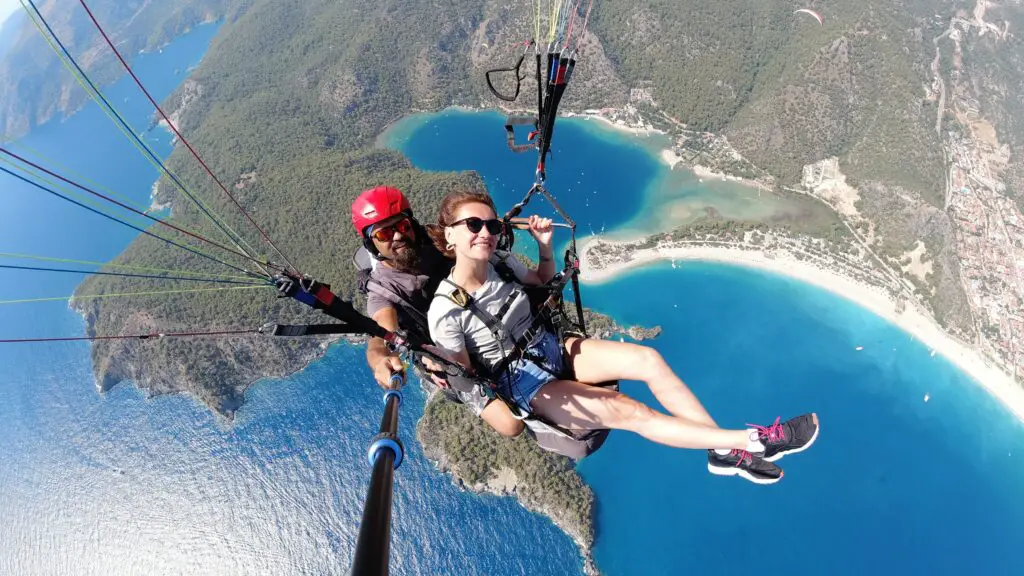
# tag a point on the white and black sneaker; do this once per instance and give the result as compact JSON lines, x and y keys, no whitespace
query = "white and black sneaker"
{"x":744,"y":464}
{"x":792,"y":436}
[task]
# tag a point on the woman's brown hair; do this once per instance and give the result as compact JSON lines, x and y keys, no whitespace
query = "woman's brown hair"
{"x":446,"y":215}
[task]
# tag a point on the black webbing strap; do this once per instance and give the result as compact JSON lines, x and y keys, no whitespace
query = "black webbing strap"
{"x":511,"y":122}
{"x":572,"y":260}
{"x":559,"y":72}
{"x":288,"y":330}
{"x":514,"y":70}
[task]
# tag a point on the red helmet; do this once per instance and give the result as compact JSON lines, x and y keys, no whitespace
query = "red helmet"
{"x":377,"y":204}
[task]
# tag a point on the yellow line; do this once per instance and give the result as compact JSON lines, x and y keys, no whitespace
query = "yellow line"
{"x":95,"y":296}
{"x":108,"y":110}
{"x":122,"y":266}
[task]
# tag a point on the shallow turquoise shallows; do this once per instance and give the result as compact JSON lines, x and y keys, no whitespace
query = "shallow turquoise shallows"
{"x":894,"y":485}
{"x":121,"y":484}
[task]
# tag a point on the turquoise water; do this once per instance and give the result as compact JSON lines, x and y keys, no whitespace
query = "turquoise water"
{"x":894,"y":485}
{"x":121,"y":484}
{"x":609,"y":177}
{"x":118,"y":483}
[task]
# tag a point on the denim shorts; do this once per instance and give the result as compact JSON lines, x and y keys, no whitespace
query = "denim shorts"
{"x":529,"y":376}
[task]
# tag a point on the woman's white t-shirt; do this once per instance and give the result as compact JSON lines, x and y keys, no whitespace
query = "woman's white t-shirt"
{"x":455,"y":328}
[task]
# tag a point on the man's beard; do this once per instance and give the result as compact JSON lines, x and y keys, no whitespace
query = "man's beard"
{"x":409,"y":259}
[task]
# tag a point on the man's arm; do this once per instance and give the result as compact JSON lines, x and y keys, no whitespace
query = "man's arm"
{"x":382,"y":361}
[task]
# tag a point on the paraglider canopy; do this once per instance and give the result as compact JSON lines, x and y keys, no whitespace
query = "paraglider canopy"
{"x":816,"y":15}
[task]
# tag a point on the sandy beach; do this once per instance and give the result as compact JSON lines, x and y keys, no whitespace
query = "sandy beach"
{"x":912,"y":320}
{"x":703,"y":172}
{"x":620,"y":126}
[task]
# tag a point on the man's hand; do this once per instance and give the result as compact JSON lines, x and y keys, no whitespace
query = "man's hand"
{"x":433,"y":367}
{"x":384,"y":368}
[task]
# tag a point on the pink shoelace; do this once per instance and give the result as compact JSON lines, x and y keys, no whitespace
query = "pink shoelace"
{"x":773,"y":433}
{"x":744,"y":457}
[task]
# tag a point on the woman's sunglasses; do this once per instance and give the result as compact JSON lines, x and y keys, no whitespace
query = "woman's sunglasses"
{"x":387,"y":233}
{"x":475,"y":225}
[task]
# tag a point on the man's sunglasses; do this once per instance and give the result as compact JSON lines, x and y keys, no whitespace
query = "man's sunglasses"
{"x":475,"y":225}
{"x":387,"y":233}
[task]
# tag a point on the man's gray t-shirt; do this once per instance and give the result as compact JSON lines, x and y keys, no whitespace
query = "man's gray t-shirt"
{"x":387,"y":285}
{"x":455,"y":328}
{"x":411,"y":285}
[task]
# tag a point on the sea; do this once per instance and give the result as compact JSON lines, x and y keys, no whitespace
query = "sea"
{"x":119,"y":483}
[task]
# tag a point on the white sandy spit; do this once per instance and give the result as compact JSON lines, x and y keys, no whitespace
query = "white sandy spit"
{"x":912,"y":320}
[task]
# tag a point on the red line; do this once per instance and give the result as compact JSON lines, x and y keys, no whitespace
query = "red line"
{"x":155,"y":335}
{"x":125,"y":206}
{"x":585,"y":22}
{"x":181,"y":137}
{"x":572,"y":21}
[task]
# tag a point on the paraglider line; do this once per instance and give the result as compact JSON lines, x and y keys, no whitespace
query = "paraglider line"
{"x":130,"y":336}
{"x":129,"y":294}
{"x":125,"y":206}
{"x":112,"y":265}
{"x":127,"y":275}
{"x":84,"y":79}
{"x":128,"y":224}
{"x":182,"y":138}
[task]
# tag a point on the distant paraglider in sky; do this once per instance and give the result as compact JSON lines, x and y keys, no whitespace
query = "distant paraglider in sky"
{"x":816,"y":15}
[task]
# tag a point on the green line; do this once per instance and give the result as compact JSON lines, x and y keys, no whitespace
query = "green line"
{"x":555,"y":8}
{"x":88,"y":199}
{"x":122,"y":266}
{"x":96,"y":296}
{"x":111,"y":113}
{"x":76,"y":194}
{"x":72,"y":175}
{"x":101,"y":208}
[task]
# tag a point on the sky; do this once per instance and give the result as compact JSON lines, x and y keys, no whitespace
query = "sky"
{"x":8,"y":7}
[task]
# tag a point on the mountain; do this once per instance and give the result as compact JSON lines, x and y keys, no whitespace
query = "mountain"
{"x":35,"y":87}
{"x":9,"y":31}
{"x":292,"y":91}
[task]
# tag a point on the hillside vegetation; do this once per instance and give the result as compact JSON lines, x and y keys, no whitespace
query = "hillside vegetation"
{"x":292,"y":94}
{"x":36,"y":87}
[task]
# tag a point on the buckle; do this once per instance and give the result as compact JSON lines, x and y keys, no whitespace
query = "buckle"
{"x":460,"y":297}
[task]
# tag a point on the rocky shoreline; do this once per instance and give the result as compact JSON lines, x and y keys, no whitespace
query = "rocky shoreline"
{"x":505,"y":480}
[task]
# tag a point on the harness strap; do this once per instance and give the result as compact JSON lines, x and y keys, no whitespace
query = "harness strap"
{"x":494,"y":322}
{"x":511,"y":122}
{"x":287,"y":330}
{"x":520,"y":348}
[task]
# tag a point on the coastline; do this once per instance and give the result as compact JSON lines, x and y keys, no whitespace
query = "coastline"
{"x":668,"y":154}
{"x":913,"y":320}
{"x":703,"y":172}
{"x":617,"y":125}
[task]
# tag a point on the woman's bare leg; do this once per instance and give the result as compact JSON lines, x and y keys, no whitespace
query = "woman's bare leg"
{"x":498,"y":416}
{"x":582,"y":406}
{"x":596,"y":361}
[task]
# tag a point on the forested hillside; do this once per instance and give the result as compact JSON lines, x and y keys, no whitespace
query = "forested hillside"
{"x":36,"y":87}
{"x":292,"y":93}
{"x":995,"y":69}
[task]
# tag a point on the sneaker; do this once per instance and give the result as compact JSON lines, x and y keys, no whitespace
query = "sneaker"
{"x":790,"y":437}
{"x":744,"y":464}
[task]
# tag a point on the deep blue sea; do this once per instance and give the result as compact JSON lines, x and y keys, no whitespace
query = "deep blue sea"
{"x":894,"y":485}
{"x":121,"y":484}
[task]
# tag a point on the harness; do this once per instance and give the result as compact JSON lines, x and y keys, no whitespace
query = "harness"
{"x":541,"y":312}
{"x":547,"y":314}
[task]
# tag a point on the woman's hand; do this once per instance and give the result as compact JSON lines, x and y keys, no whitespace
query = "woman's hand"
{"x":541,"y":230}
